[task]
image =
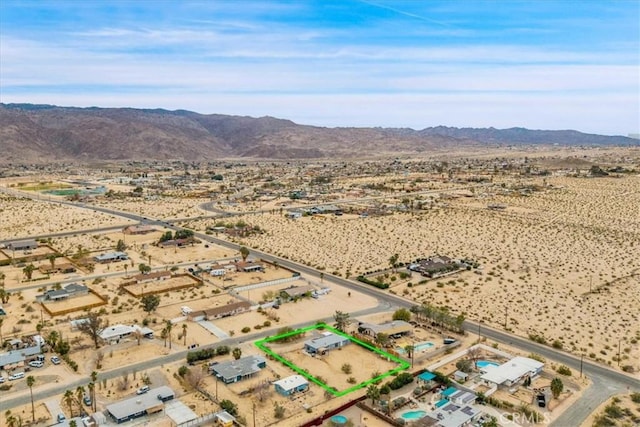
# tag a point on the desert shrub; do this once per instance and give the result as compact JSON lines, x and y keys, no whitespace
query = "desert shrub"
{"x":564,"y":370}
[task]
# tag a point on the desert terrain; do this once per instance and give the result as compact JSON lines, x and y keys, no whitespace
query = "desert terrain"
{"x":555,"y":247}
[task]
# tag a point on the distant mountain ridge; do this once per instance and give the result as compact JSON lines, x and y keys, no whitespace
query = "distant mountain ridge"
{"x":45,"y":133}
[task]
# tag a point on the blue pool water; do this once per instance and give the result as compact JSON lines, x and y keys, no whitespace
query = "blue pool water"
{"x":418,"y":347}
{"x":485,"y":363}
{"x":339,"y":419}
{"x":413,"y":415}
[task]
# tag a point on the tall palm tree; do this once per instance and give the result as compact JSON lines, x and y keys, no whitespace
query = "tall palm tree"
{"x":68,"y":400}
{"x":92,"y":392}
{"x":79,"y":396}
{"x":30,"y":382}
{"x":184,"y":334}
{"x":1,"y":322}
{"x":94,"y":381}
{"x":52,"y":260}
{"x":169,"y":326}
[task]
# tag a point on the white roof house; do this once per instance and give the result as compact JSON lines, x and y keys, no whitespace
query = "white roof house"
{"x":291,"y":384}
{"x":512,"y":371}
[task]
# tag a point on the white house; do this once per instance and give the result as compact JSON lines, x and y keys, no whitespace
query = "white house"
{"x":512,"y":372}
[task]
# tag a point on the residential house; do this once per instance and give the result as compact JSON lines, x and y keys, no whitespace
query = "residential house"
{"x":328,"y":341}
{"x":152,"y":277}
{"x":69,"y":291}
{"x":393,"y":329}
{"x":452,"y":415}
{"x":23,"y":245}
{"x":291,"y":385}
{"x":219,"y":312}
{"x":237,"y":370}
{"x":249,"y":266}
{"x":16,"y":358}
{"x":512,"y":372}
{"x":111,"y":257}
{"x":140,"y":405}
{"x":113,"y":334}
{"x":293,"y":292}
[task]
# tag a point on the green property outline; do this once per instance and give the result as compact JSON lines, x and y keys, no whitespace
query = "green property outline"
{"x":261,"y":344}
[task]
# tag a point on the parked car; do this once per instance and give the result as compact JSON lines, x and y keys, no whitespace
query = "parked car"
{"x":16,"y":376}
{"x":542,"y":400}
{"x":55,"y":360}
{"x":87,"y":400}
{"x":61,"y":418}
{"x":1,"y":379}
{"x":143,"y":389}
{"x":36,"y":364}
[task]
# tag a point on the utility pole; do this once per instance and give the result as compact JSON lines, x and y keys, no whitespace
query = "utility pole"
{"x":619,"y":341}
{"x":479,"y":336}
{"x":506,"y":314}
{"x":581,"y":357}
{"x":254,"y":414}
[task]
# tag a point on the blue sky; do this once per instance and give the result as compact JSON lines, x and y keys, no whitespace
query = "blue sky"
{"x":539,"y":64}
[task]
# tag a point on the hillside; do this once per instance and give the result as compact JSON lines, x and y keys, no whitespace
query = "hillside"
{"x":46,"y":133}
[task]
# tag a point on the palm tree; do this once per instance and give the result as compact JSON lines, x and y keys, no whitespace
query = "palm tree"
{"x":28,"y":271}
{"x":79,"y":396}
{"x":184,"y":334}
{"x":68,"y":399}
{"x":1,"y":322}
{"x":30,"y":382}
{"x":373,"y":393}
{"x":163,"y":335}
{"x":169,"y":326}
{"x":409,"y":349}
{"x":53,"y":338}
{"x":52,"y":260}
{"x":92,"y":389}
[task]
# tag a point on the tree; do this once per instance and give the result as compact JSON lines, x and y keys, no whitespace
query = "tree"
{"x":409,"y":349}
{"x":163,"y":335}
{"x":28,"y":271}
{"x":556,"y":387}
{"x":166,"y":236}
{"x":2,"y":277}
{"x":393,"y":261}
{"x":278,"y":411}
{"x":144,"y":268}
{"x":52,"y":260}
{"x":169,"y":326}
{"x":342,"y":320}
{"x":121,"y":246}
{"x":92,"y":326}
{"x":402,"y":314}
{"x":474,"y":355}
{"x":149,"y":303}
{"x":137,"y":334}
{"x":30,"y":382}
{"x":4,"y":295}
{"x":79,"y":396}
{"x":184,"y":334}
{"x":244,"y":253}
{"x":92,"y":389}
{"x":237,"y":353}
{"x":464,"y":365}
{"x":382,"y":339}
{"x":230,"y":407}
{"x":373,"y":393}
{"x":68,"y":399}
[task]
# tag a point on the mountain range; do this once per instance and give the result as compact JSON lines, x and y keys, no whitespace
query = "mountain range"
{"x":31,"y":133}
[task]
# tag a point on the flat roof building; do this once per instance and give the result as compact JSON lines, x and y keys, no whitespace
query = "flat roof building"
{"x":512,"y":372}
{"x":291,"y":385}
{"x":237,"y":370}
{"x":326,"y":342}
{"x":23,"y":245}
{"x":111,"y":257}
{"x":140,"y":405}
{"x":393,"y":328}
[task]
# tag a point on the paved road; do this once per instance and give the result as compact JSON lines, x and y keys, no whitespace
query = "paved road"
{"x":24,"y":398}
{"x":606,"y":382}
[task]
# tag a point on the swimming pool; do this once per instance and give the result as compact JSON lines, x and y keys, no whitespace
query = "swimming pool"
{"x":413,"y":415}
{"x":418,"y":347}
{"x":484,"y":363}
{"x":339,"y":419}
